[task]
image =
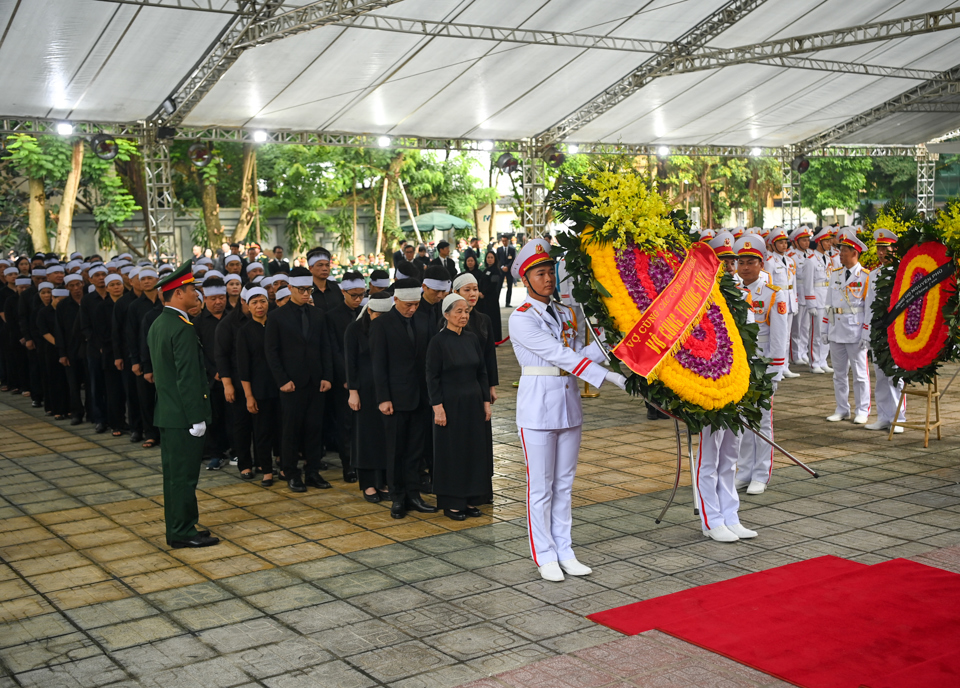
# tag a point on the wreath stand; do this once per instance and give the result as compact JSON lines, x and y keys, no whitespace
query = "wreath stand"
{"x":932,"y":395}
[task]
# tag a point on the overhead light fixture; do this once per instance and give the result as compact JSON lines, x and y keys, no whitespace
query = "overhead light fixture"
{"x":573,"y":148}
{"x":200,"y":154}
{"x":486,"y":145}
{"x":104,"y":146}
{"x":259,"y":136}
{"x":756,"y":152}
{"x":800,"y":164}
{"x":166,"y":133}
{"x":553,"y":157}
{"x":384,"y":141}
{"x":169,"y":106}
{"x":64,"y":128}
{"x":663,"y":151}
{"x":507,"y":163}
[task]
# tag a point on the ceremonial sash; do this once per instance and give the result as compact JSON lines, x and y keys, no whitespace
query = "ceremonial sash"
{"x":665,"y":324}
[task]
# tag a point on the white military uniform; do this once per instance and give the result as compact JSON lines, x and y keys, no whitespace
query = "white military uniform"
{"x":887,"y":393}
{"x":552,"y":355}
{"x":769,"y":306}
{"x":816,"y":285}
{"x":844,"y":323}
{"x":800,"y":330}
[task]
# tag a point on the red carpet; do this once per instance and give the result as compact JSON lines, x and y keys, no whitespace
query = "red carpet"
{"x":822,"y":623}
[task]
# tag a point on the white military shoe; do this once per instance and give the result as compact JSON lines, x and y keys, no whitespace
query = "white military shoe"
{"x":879,"y":425}
{"x":551,"y":572}
{"x":790,"y":373}
{"x":837,"y":417}
{"x":860,"y":420}
{"x":817,"y":370}
{"x":898,"y":430}
{"x":756,"y":487}
{"x":741,"y":484}
{"x":721,"y":534}
{"x":575,"y":568}
{"x":827,"y":369}
{"x":741,"y":532}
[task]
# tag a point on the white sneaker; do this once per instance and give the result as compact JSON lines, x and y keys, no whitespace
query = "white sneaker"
{"x":575,"y":568}
{"x":741,"y":532}
{"x":879,"y":425}
{"x":790,"y":373}
{"x":817,"y":370}
{"x":827,"y":369}
{"x":741,"y":484}
{"x":756,"y":487}
{"x":837,"y":417}
{"x":551,"y":572}
{"x":860,"y":420}
{"x":898,"y":430}
{"x":721,"y":534}
{"x":234,"y":461}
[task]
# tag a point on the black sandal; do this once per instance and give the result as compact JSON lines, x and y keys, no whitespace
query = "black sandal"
{"x":150,"y":444}
{"x":267,"y":482}
{"x":117,"y":433}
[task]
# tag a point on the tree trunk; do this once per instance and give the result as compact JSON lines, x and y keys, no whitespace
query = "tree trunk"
{"x":131,"y":172}
{"x":246,"y":194}
{"x":70,"y":189}
{"x":353,"y":241}
{"x":38,"y":216}
{"x":383,"y":212}
{"x":211,"y":214}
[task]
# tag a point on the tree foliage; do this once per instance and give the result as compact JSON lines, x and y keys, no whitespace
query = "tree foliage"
{"x":834,"y":183}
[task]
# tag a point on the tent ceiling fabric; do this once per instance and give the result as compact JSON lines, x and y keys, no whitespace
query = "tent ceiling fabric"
{"x":100,"y":60}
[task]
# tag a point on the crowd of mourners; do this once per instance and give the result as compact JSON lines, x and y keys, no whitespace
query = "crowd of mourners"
{"x":392,"y":370}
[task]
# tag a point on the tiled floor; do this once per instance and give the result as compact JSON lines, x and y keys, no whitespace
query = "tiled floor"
{"x":324,"y":589}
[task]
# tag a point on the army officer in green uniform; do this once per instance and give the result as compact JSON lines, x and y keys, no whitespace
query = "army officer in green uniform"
{"x":183,"y":407}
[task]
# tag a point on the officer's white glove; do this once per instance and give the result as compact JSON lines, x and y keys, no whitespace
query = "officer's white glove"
{"x":198,"y":429}
{"x":825,"y":338}
{"x":864,"y":343}
{"x":617,"y":379}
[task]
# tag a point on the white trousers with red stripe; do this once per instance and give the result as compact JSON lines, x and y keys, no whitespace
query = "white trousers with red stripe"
{"x":844,"y":357}
{"x":888,"y":396}
{"x":818,"y":350}
{"x":551,"y":459}
{"x":756,"y":456}
{"x":800,"y":337}
{"x":716,"y":478}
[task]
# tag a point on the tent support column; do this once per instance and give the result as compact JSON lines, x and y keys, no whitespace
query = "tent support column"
{"x":926,"y":178}
{"x":534,"y":190}
{"x":161,"y":236}
{"x":790,"y":194}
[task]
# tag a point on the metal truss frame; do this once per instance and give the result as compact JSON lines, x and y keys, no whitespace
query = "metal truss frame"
{"x":273,"y":27}
{"x":191,"y":5}
{"x":534,"y":211}
{"x":161,"y":202}
{"x":926,"y":178}
{"x":693,"y":40}
{"x":817,"y":65}
{"x":791,"y":191}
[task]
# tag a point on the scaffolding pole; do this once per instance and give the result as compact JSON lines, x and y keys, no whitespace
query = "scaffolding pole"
{"x":790,"y":194}
{"x":926,"y":179}
{"x":161,"y":235}
{"x":534,"y":191}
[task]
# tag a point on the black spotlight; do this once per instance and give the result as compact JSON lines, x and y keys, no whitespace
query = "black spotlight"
{"x":169,"y":106}
{"x":166,"y":133}
{"x":507,"y":163}
{"x":200,"y":154}
{"x":800,"y":164}
{"x":104,"y":146}
{"x":553,"y":157}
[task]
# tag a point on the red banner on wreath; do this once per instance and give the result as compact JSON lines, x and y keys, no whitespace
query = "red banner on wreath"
{"x":664,"y":324}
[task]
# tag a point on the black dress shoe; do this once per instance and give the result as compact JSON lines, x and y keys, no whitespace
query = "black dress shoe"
{"x":101,"y":428}
{"x":296,"y":485}
{"x":198,"y":541}
{"x":267,"y":482}
{"x":316,"y":480}
{"x":76,"y":421}
{"x":455,"y":515}
{"x":417,"y":504}
{"x":136,"y":436}
{"x":398,"y":510}
{"x":662,"y":415}
{"x":350,"y":476}
{"x":427,"y":486}
{"x":36,"y":404}
{"x":372,"y":498}
{"x":472,"y":512}
{"x":204,"y":533}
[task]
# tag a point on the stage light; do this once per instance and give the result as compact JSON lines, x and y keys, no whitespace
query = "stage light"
{"x":486,"y":145}
{"x":200,"y":154}
{"x":507,"y":163}
{"x":383,"y":141}
{"x":800,"y":164}
{"x":166,"y":133}
{"x":573,"y":148}
{"x":64,"y":128}
{"x":756,"y":152}
{"x":663,"y":151}
{"x":104,"y":146}
{"x":259,"y":136}
{"x":553,"y":157}
{"x":169,"y":106}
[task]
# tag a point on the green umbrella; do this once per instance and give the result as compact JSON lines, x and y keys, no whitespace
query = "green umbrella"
{"x":435,"y":221}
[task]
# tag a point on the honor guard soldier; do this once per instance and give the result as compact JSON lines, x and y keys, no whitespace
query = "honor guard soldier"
{"x":843,"y":327}
{"x":800,"y":331}
{"x":183,"y":407}
{"x":716,"y":471}
{"x":769,"y":306}
{"x":783,"y":274}
{"x":816,"y":284}
{"x":549,"y":343}
{"x":888,"y":394}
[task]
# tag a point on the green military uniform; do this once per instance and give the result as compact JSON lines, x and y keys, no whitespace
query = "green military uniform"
{"x":182,"y":401}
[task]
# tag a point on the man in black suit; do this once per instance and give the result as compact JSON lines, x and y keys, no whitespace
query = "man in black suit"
{"x":473,"y":250}
{"x":279,"y":263}
{"x":398,"y":346}
{"x":398,"y":254}
{"x":339,"y":317}
{"x":444,"y":260}
{"x":506,"y":254}
{"x":422,"y":260}
{"x":297,"y":350}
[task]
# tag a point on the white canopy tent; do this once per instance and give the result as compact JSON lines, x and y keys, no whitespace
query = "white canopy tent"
{"x":729,"y":77}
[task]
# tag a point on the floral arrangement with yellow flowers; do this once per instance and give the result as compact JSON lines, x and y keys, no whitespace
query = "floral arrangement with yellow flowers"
{"x":626,"y":247}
